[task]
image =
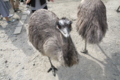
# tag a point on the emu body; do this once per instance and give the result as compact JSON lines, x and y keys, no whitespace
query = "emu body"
{"x":91,"y":21}
{"x":45,"y":35}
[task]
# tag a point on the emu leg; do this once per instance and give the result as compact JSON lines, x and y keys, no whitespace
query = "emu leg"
{"x":85,"y":51}
{"x":118,"y":9}
{"x":53,"y":69}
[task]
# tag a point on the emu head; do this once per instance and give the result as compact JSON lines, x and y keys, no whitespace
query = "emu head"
{"x":64,"y":26}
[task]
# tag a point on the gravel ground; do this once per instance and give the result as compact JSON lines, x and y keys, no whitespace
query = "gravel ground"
{"x":20,"y":61}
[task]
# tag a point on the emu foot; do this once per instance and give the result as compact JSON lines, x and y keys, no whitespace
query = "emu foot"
{"x":53,"y":69}
{"x":84,"y":51}
{"x":118,"y":10}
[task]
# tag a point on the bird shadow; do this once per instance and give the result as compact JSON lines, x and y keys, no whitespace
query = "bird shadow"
{"x":112,"y":65}
{"x":92,"y":69}
{"x":81,"y":71}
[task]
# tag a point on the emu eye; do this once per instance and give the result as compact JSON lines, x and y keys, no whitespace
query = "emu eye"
{"x":70,"y":27}
{"x":59,"y":27}
{"x":59,"y":24}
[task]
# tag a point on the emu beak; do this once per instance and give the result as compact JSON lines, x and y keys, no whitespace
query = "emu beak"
{"x":65,"y":32}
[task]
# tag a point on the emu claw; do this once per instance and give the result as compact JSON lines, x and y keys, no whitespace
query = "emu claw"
{"x":84,"y":51}
{"x":53,"y":69}
{"x":117,"y":10}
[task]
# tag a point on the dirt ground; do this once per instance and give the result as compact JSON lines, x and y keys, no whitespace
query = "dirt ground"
{"x":20,"y":61}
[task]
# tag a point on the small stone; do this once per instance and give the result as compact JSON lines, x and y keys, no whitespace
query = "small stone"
{"x":0,"y":49}
{"x":29,"y":48}
{"x":23,"y":68}
{"x":6,"y":61}
{"x":16,"y":65}
{"x":33,"y":64}
{"x":6,"y":66}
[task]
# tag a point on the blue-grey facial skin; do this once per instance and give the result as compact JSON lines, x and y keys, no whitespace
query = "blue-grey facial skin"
{"x":64,"y":26}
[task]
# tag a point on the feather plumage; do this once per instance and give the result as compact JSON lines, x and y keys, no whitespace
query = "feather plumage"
{"x":92,"y":21}
{"x":46,"y":38}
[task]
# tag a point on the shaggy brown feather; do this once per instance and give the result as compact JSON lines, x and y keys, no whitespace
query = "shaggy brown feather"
{"x":92,"y":21}
{"x":48,"y":40}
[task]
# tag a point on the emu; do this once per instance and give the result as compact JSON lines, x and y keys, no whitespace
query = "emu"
{"x":91,"y":21}
{"x":50,"y":36}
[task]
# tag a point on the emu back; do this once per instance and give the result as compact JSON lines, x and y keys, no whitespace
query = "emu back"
{"x":41,"y":22}
{"x":92,"y":21}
